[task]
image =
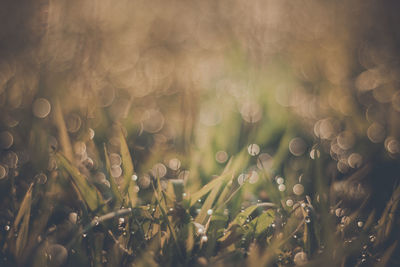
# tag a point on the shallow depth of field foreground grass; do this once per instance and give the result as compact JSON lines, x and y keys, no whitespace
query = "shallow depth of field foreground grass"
{"x":199,"y":133}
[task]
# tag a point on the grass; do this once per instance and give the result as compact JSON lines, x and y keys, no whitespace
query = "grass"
{"x":228,"y":141}
{"x":216,"y":224}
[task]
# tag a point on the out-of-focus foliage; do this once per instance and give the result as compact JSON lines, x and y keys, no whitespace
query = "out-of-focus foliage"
{"x":189,"y":133}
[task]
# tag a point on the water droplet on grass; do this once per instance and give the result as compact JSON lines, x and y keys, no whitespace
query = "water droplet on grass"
{"x":41,"y":108}
{"x":221,"y":156}
{"x":73,"y":217}
{"x":253,"y":177}
{"x":298,"y":189}
{"x":242,"y":178}
{"x":354,"y":160}
{"x":73,"y":123}
{"x":314,"y":153}
{"x":300,"y":258}
{"x":253,"y":149}
{"x":6,"y":140}
{"x":297,"y":146}
{"x":204,"y":238}
{"x":40,"y":178}
{"x":3,"y":171}
{"x":115,"y":159}
{"x":91,"y":133}
{"x":174,"y":164}
{"x":264,"y":161}
{"x":116,"y":171}
{"x":372,"y":238}
{"x":159,"y":170}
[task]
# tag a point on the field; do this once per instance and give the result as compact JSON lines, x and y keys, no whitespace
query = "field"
{"x":199,"y":133}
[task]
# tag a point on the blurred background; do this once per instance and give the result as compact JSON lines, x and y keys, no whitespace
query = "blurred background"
{"x":201,"y":79}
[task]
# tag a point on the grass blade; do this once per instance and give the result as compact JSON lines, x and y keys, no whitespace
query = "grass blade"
{"x":127,"y":165}
{"x":113,"y":185}
{"x":89,"y":193}
{"x":22,"y":228}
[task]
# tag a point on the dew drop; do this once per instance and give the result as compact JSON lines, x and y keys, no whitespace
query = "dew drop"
{"x":96,"y":220}
{"x":40,"y":178}
{"x":221,"y":156}
{"x":282,"y":187}
{"x":280,"y":180}
{"x":159,"y":170}
{"x":152,"y":120}
{"x":264,"y":161}
{"x":392,"y":145}
{"x":314,"y":153}
{"x":79,"y":148}
{"x":6,"y":140}
{"x":115,"y":159}
{"x":253,"y":149}
{"x":298,"y":189}
{"x":242,"y":178}
{"x":204,"y":238}
{"x":73,"y":217}
{"x":73,"y":123}
{"x":354,"y":160}
{"x":174,"y":164}
{"x":144,"y":181}
{"x":41,"y":108}
{"x":307,"y":219}
{"x":297,"y":146}
{"x":372,"y":238}
{"x":253,"y":177}
{"x":91,"y":133}
{"x":360,"y":224}
{"x":339,"y":212}
{"x":116,"y":171}
{"x":251,"y":112}
{"x":300,"y":258}
{"x":3,"y":171}
{"x":210,"y":211}
{"x":11,"y":159}
{"x":376,"y":132}
{"x":289,"y":202}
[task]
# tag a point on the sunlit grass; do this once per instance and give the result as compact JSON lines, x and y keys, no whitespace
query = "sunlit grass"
{"x":234,"y":133}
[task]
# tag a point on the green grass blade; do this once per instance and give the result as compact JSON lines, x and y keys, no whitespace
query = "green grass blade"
{"x":127,"y":165}
{"x":113,"y":185}
{"x":22,"y":228}
{"x":208,"y":203}
{"x":89,"y":193}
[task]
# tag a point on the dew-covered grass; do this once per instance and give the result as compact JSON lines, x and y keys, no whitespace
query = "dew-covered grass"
{"x":220,"y":133}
